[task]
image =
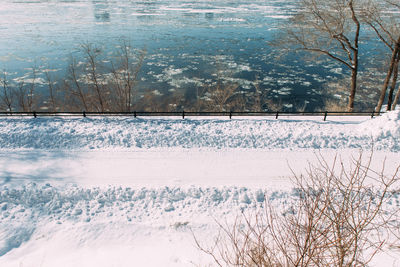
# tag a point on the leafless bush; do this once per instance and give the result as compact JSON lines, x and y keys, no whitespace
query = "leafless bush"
{"x":7,"y":94}
{"x":125,"y":73}
{"x":26,"y":92}
{"x":93,"y":85}
{"x":19,"y":94}
{"x":93,"y":77}
{"x":53,"y":90}
{"x":262,"y":100}
{"x":337,"y":217}
{"x":333,"y":105}
{"x":221,"y":97}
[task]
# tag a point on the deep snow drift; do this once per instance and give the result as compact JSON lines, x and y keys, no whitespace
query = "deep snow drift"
{"x":129,"y":192}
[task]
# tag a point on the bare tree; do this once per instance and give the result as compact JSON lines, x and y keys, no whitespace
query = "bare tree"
{"x":52,"y":92}
{"x":104,"y":83}
{"x":125,"y":73}
{"x":74,"y":88}
{"x":336,"y":217}
{"x":26,"y":92}
{"x":329,"y":28}
{"x":91,"y":54}
{"x":387,"y":29}
{"x":221,"y":97}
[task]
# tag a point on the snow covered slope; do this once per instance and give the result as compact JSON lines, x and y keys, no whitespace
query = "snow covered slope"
{"x":258,"y":133}
{"x":129,"y":192}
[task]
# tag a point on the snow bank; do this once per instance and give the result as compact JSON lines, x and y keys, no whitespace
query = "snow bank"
{"x":144,"y":133}
{"x":120,"y":203}
{"x":384,"y":127}
{"x":82,"y":221}
{"x":48,"y":226}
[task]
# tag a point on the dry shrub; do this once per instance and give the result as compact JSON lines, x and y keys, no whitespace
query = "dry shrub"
{"x":273,"y":105}
{"x":96,"y":86}
{"x":337,"y":217}
{"x":221,"y":97}
{"x":7,"y":95}
{"x":334,"y":105}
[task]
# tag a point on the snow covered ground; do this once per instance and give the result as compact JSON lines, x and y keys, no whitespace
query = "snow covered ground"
{"x":129,"y":192}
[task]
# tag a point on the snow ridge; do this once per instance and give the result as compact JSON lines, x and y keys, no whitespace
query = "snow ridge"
{"x":145,"y":133}
{"x":32,"y":210}
{"x":86,"y":204}
{"x":24,"y":210}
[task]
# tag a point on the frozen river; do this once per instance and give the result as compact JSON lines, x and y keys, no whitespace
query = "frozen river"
{"x":189,"y":43}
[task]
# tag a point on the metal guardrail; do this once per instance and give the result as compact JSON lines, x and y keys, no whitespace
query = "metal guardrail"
{"x":184,"y":114}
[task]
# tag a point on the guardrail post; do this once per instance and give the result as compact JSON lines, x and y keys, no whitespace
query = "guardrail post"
{"x":183,"y":114}
{"x":34,"y":114}
{"x":134,"y":114}
{"x":277,"y":114}
{"x":326,"y":114}
{"x":230,"y":114}
{"x":84,"y":114}
{"x":373,"y":113}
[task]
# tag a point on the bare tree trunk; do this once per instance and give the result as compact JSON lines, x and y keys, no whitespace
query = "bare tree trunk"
{"x":388,"y":76}
{"x":394,"y":82}
{"x":396,"y":99}
{"x":353,"y":90}
{"x":354,"y":69}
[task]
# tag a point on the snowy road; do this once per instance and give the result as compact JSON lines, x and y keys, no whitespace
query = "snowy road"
{"x":182,"y":168}
{"x":148,"y":168}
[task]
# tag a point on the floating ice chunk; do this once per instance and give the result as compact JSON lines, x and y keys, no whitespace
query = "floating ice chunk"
{"x":244,"y":68}
{"x":337,"y":70}
{"x":157,"y":93}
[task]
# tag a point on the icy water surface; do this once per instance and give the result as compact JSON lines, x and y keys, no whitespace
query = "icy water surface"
{"x":189,"y":43}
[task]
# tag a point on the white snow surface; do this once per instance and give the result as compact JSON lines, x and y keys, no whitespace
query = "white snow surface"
{"x":128,"y":133}
{"x":133,"y":192}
